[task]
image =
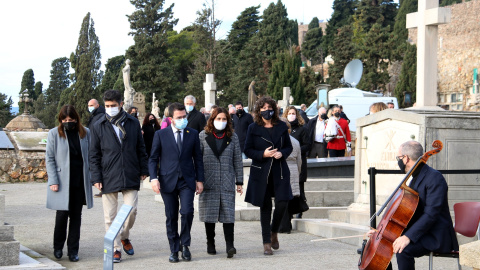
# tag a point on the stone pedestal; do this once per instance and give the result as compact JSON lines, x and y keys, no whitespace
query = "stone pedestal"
{"x":9,"y":248}
{"x":209,"y":86}
{"x":379,"y":136}
{"x":470,"y":254}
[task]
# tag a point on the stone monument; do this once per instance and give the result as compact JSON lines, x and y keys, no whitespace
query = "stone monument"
{"x":139,"y":102}
{"x":155,"y":108}
{"x":9,"y":247}
{"x":285,"y":101}
{"x":25,"y":121}
{"x":129,"y":91}
{"x":252,"y":96}
{"x":209,"y":86}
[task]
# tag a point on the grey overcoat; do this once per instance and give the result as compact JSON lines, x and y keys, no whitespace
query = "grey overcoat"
{"x":57,"y":159}
{"x":222,"y":172}
{"x":294,"y":162}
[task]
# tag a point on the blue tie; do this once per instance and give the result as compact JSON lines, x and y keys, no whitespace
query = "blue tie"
{"x":179,"y":142}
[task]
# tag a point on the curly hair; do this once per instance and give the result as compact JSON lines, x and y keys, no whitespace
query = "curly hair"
{"x":146,"y":120}
{"x":301,"y":122}
{"x":258,"y":119}
{"x":210,"y":128}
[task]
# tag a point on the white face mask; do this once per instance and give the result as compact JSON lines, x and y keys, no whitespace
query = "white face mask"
{"x":291,"y":117}
{"x":219,"y":125}
{"x":112,"y":111}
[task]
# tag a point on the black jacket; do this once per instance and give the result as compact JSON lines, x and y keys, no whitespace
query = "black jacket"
{"x":118,"y":166}
{"x":240,"y":125}
{"x":148,"y":133}
{"x":196,"y":120}
{"x":301,"y":134}
{"x":259,"y":139}
{"x":95,"y":116}
{"x":304,"y":116}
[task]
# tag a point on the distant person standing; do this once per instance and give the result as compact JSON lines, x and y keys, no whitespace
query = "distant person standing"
{"x":316,"y":129}
{"x":176,"y":172}
{"x":69,"y":179}
{"x":390,"y":105}
{"x":196,"y":119}
{"x":166,"y":119}
{"x":337,"y":146}
{"x":377,"y":107}
{"x":223,"y":165}
{"x":232,"y":112}
{"x":96,"y":112}
{"x":133,"y":111}
{"x":241,"y":121}
{"x":118,"y":162}
{"x":150,"y":125}
{"x":303,"y":114}
{"x":342,"y":114}
{"x":268,"y":145}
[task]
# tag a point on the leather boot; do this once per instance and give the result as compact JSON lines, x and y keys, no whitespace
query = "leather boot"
{"x":228,"y":229}
{"x":267,"y":249}
{"x":210,"y":231}
{"x":275,"y":244}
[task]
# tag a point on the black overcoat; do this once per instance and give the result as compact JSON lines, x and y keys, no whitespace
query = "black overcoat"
{"x":302,"y":135}
{"x":196,"y":120}
{"x":257,"y":140}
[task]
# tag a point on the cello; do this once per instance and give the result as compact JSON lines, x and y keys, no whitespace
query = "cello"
{"x":402,"y":203}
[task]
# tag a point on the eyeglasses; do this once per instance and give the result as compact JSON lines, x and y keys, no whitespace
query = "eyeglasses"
{"x":400,"y":157}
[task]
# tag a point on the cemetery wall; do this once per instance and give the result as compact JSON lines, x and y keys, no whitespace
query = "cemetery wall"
{"x":458,"y":54}
{"x":22,"y":166}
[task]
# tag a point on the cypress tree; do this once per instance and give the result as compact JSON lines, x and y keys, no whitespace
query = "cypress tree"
{"x":312,"y":46}
{"x":243,"y":29}
{"x":113,"y":68}
{"x":344,"y":52}
{"x":38,"y":89}
{"x":400,"y":31}
{"x":28,"y":83}
{"x":343,"y":11}
{"x":5,"y":109}
{"x":309,"y":82}
{"x":286,"y":73}
{"x":444,"y":3}
{"x":408,"y":75}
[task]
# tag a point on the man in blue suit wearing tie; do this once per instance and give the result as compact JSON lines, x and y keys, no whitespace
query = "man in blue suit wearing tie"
{"x":176,"y":154}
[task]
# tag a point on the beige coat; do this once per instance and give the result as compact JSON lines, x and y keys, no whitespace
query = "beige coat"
{"x":294,"y":162}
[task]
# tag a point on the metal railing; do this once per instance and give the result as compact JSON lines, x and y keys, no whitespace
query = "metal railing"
{"x":372,"y":171}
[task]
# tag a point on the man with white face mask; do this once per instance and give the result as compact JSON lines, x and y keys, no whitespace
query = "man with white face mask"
{"x":118,"y":162}
{"x":196,"y":119}
{"x":176,"y":172}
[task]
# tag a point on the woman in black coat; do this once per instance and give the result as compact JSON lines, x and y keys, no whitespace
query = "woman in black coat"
{"x":150,"y":125}
{"x":299,"y":132}
{"x":268,"y":145}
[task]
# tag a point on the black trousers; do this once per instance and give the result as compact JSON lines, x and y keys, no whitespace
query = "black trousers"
{"x":77,"y":200}
{"x":336,"y":153}
{"x":266,"y":213}
{"x":406,"y":259}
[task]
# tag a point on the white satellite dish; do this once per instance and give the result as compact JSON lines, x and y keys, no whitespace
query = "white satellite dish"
{"x":353,"y":72}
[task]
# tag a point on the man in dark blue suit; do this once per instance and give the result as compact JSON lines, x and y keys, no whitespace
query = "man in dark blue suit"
{"x":176,"y":153}
{"x":431,"y":228}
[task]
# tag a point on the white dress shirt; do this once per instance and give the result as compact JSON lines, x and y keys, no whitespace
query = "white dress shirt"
{"x":319,"y":130}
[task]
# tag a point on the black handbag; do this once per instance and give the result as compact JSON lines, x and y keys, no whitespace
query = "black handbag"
{"x":297,"y":205}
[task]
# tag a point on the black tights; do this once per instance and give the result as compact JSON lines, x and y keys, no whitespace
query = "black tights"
{"x":266,"y":213}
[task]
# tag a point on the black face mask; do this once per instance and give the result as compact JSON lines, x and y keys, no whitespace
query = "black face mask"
{"x":134,"y":114}
{"x":240,"y":112}
{"x":70,"y":125}
{"x":267,"y":115}
{"x":401,"y":165}
{"x":324,"y":116}
{"x":152,"y":121}
{"x":337,"y":114}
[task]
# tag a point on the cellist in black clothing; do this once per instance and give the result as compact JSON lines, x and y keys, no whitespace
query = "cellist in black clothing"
{"x":431,"y":228}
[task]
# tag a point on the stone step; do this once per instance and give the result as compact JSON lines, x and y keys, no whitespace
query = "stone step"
{"x":253,"y":213}
{"x":331,"y":229}
{"x":351,"y":217}
{"x":329,"y":198}
{"x":318,"y":184}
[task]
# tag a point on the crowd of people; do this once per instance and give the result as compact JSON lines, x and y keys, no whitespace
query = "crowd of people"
{"x":187,"y":152}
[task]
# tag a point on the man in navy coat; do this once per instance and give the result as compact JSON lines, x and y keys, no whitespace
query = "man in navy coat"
{"x":176,"y":154}
{"x":431,"y":227}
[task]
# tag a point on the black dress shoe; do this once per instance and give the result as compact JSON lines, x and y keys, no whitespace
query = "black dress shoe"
{"x":58,"y":253}
{"x":173,"y":257}
{"x":73,"y":257}
{"x":186,"y":255}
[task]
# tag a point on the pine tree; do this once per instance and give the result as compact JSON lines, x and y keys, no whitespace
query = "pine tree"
{"x":243,"y":29}
{"x":86,"y":63}
{"x":28,"y":83}
{"x":343,"y":11}
{"x":408,"y":75}
{"x":150,"y":70}
{"x":312,"y":46}
{"x":113,"y":68}
{"x":5,"y":109}
{"x":286,"y":73}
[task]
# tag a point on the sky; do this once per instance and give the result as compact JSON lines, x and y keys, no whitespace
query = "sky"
{"x":37,"y":32}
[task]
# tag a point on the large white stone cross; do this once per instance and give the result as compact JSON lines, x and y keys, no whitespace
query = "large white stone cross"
{"x":209,"y":87}
{"x":426,"y":20}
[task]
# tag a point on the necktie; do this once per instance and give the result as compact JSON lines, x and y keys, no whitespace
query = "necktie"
{"x":179,"y":141}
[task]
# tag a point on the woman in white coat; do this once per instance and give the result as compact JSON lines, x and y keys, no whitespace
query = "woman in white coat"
{"x":69,"y":186}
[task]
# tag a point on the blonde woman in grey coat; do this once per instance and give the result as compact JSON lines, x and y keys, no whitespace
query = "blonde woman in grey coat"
{"x":69,"y":186}
{"x":222,"y":160}
{"x":294,"y":163}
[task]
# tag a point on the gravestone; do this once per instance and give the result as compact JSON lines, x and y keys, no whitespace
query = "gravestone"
{"x":139,"y":102}
{"x":9,"y":248}
{"x":209,"y":86}
{"x":285,"y":101}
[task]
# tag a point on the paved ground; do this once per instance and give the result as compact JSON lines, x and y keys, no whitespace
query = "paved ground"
{"x":25,"y":208}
